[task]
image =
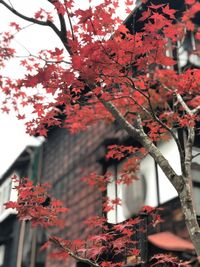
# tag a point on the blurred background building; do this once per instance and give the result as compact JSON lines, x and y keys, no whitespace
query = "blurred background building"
{"x":63,"y":159}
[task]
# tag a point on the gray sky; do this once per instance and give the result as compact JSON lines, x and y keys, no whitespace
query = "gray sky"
{"x":13,"y":138}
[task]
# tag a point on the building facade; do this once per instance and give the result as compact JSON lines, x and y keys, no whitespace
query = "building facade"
{"x":67,"y":158}
{"x":64,"y":159}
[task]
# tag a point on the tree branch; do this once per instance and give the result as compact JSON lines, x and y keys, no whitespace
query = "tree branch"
{"x":14,"y":11}
{"x":40,"y":22}
{"x":70,"y":23}
{"x":198,"y":154}
{"x":188,"y":151}
{"x":72,"y":254}
{"x":147,"y":143}
{"x":155,"y":117}
{"x":195,"y":110}
{"x":63,"y":28}
{"x":183,"y":104}
{"x":190,"y":138}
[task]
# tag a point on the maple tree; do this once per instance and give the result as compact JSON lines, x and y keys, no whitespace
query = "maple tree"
{"x":105,"y":71}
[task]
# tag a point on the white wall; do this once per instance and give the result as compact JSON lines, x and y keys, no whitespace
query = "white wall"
{"x":148,"y":170}
{"x":170,"y":151}
{"x":7,"y":193}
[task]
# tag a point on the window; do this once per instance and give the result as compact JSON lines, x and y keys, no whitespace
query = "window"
{"x":2,"y":254}
{"x":186,"y":51}
{"x":7,"y":193}
{"x":132,"y":196}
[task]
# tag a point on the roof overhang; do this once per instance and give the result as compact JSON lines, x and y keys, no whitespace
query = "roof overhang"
{"x":171,"y":242}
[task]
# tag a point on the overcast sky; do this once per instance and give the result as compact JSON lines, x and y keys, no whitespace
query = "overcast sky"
{"x":13,"y":138}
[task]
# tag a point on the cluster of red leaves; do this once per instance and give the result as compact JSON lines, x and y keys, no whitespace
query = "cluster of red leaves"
{"x":157,"y":132}
{"x":119,"y":151}
{"x":114,"y":242}
{"x":36,"y":205}
{"x":130,"y":167}
{"x":43,"y":15}
{"x":99,"y":181}
{"x":106,"y":67}
{"x":120,"y":239}
{"x":110,"y":204}
{"x":128,"y":174}
{"x":130,"y":171}
{"x":6,"y":52}
{"x":154,"y":214}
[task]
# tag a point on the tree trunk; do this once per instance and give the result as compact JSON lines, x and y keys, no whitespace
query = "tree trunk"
{"x":190,"y":216}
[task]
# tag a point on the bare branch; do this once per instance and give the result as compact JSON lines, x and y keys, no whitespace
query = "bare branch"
{"x":188,"y":150}
{"x":63,"y":29}
{"x":38,"y":57}
{"x":183,"y":104}
{"x":198,"y":154}
{"x":63,"y":25}
{"x":23,"y":28}
{"x":190,"y":138}
{"x":10,"y":3}
{"x":45,"y":60}
{"x":70,"y":23}
{"x":195,"y":110}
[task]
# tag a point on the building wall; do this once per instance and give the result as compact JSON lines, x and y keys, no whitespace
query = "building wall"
{"x":66,"y":159}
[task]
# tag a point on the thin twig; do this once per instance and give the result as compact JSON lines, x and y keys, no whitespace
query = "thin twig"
{"x":45,"y":60}
{"x":198,"y":154}
{"x":48,"y":23}
{"x":195,"y":110}
{"x":70,"y":23}
{"x":155,"y":117}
